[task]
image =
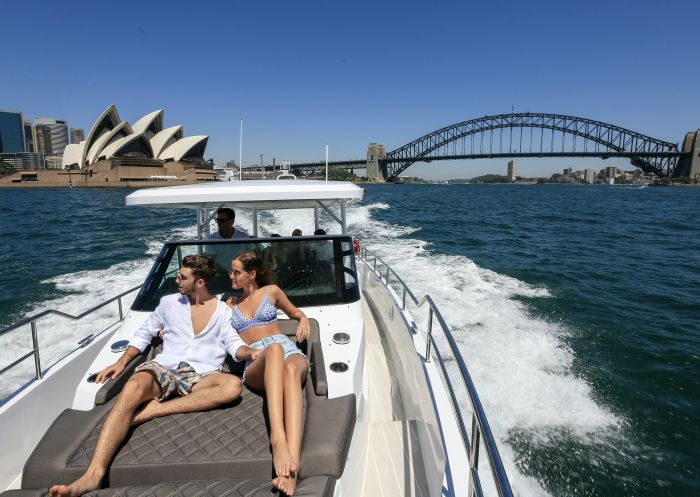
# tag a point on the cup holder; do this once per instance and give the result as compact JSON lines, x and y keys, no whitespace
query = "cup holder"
{"x":119,"y":346}
{"x":341,"y":338}
{"x":339,"y":367}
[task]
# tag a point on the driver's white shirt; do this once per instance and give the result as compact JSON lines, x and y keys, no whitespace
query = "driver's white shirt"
{"x":204,"y":352}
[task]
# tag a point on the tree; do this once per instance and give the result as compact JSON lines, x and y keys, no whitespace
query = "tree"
{"x":6,"y":169}
{"x":339,"y":174}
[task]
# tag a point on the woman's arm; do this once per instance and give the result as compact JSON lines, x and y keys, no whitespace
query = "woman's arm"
{"x":282,"y":302}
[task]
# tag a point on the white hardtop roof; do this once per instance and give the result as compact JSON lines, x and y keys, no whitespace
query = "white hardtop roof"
{"x":258,"y":194}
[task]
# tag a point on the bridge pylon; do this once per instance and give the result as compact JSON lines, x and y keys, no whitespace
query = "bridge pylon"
{"x":689,"y":166}
{"x":375,"y":151}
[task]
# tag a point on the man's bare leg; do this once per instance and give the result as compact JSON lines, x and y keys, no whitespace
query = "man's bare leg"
{"x":267,"y":373}
{"x":214,"y":390}
{"x":295,"y":371}
{"x":140,"y":388}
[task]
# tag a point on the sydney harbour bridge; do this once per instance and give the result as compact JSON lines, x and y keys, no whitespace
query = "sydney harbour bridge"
{"x":527,"y":135}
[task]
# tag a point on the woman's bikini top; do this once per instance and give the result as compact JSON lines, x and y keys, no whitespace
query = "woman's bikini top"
{"x":266,"y":314}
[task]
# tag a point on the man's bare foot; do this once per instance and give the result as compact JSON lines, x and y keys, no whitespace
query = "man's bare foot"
{"x":149,"y":411}
{"x":82,"y":485}
{"x":281,"y":458}
{"x":285,"y":484}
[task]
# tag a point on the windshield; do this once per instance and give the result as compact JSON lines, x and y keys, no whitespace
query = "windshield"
{"x":312,"y":271}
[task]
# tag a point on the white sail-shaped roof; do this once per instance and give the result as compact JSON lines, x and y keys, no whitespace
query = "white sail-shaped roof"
{"x":108,"y":120}
{"x":73,"y":154}
{"x":185,"y":147}
{"x":151,"y":124}
{"x":123,"y":129}
{"x":119,"y":147}
{"x":166,"y":138}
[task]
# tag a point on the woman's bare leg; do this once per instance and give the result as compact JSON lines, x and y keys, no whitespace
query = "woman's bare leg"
{"x":267,"y":373}
{"x":295,"y":372}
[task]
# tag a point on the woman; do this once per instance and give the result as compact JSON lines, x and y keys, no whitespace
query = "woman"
{"x":280,"y":368}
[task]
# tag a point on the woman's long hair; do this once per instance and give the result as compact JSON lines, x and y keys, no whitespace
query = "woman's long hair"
{"x":252,"y":261}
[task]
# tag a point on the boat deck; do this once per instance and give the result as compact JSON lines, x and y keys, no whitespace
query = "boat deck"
{"x":388,"y":470}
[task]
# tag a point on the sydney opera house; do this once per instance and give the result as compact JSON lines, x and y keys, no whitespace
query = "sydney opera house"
{"x":112,"y":138}
{"x":116,"y":153}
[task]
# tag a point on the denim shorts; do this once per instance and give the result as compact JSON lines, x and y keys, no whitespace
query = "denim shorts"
{"x":290,"y":348}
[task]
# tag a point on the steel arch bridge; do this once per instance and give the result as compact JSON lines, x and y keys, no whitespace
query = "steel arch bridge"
{"x":534,"y":135}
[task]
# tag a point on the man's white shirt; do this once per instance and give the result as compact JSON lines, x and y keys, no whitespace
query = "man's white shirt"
{"x":204,"y":352}
{"x":236,"y":234}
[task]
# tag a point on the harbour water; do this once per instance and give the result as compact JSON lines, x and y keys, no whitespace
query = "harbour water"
{"x":577,"y":308}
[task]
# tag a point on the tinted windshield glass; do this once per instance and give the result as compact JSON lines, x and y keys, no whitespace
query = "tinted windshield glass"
{"x":311,"y":270}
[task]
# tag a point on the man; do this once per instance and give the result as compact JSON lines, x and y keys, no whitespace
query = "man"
{"x":197,"y":333}
{"x":224,"y":220}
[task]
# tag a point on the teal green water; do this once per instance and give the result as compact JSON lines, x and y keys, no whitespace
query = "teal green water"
{"x":578,"y":308}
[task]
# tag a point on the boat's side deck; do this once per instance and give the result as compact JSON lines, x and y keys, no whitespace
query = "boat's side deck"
{"x":388,"y":469}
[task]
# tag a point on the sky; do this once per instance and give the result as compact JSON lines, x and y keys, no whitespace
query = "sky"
{"x":302,"y":75}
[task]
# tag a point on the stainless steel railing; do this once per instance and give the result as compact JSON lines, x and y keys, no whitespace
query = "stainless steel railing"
{"x":480,"y":429}
{"x":32,"y":321}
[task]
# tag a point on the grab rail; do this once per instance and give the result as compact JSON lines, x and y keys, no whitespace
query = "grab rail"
{"x":480,"y":428}
{"x":39,"y":373}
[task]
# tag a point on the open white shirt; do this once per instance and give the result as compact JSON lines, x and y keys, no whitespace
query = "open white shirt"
{"x":204,"y":352}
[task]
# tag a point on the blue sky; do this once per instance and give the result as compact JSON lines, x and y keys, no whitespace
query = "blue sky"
{"x":305,"y":74}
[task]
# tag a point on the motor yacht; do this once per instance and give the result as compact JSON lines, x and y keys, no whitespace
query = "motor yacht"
{"x":389,"y":406}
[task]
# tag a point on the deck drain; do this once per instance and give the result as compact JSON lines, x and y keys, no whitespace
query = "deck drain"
{"x":119,"y":346}
{"x":341,"y":338}
{"x":339,"y":367}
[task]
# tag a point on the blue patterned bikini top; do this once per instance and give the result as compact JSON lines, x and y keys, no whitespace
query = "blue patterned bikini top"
{"x":266,"y":314}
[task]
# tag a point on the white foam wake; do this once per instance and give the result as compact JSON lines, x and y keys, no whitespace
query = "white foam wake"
{"x":520,"y":365}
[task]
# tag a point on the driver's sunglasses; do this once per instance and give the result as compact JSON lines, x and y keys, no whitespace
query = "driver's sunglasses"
{"x":224,"y":220}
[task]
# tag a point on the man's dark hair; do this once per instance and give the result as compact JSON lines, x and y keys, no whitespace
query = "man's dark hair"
{"x":319,"y":231}
{"x":230,"y":213}
{"x":202,"y":266}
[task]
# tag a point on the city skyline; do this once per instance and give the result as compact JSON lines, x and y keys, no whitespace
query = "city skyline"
{"x":302,"y":77}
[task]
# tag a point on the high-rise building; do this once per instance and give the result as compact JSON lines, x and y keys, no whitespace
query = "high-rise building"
{"x":512,"y":175}
{"x":568,"y":171}
{"x":77,"y":135}
{"x":589,"y":176}
{"x":610,"y":172}
{"x":28,"y":129}
{"x":11,"y":132}
{"x":54,"y":136}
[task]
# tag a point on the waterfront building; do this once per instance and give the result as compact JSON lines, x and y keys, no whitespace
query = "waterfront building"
{"x":145,"y":144}
{"x":11,"y":132}
{"x":610,"y":172}
{"x":28,"y":129}
{"x":512,"y":174}
{"x":23,"y":161}
{"x":53,"y":161}
{"x":568,"y":171}
{"x":589,"y":176}
{"x":77,"y":135}
{"x":54,"y":135}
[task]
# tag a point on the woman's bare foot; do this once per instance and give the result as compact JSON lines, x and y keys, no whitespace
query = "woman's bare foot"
{"x":286,"y":484}
{"x":82,"y":485}
{"x":281,"y":458}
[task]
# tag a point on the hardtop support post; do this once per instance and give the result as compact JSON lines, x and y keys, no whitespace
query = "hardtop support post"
{"x":343,"y":222}
{"x":255,"y":222}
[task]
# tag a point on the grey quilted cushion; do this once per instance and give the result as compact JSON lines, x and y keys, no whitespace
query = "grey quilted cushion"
{"x":320,"y":486}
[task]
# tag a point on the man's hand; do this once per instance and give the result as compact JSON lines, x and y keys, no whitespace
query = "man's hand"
{"x":254,"y":353}
{"x":110,"y":372}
